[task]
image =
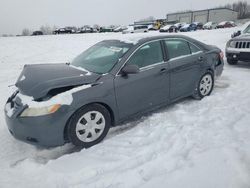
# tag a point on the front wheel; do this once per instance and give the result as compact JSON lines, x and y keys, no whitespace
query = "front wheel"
{"x":89,"y":125}
{"x":205,"y":86}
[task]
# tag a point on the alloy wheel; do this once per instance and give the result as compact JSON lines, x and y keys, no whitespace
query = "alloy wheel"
{"x":206,"y":84}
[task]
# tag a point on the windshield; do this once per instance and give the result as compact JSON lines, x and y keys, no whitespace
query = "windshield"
{"x":247,"y":30}
{"x":102,"y":57}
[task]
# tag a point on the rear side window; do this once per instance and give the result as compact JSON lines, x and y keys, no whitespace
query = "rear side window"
{"x":177,"y":48}
{"x":194,"y":49}
{"x":148,"y":54}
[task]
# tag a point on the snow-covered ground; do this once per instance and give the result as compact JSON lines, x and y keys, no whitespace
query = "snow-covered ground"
{"x":190,"y":144}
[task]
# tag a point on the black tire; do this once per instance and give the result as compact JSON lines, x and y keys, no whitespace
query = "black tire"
{"x":198,"y":94}
{"x":232,"y":61}
{"x":71,"y":128}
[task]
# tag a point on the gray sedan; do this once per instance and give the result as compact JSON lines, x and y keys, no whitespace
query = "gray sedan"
{"x":107,"y":84}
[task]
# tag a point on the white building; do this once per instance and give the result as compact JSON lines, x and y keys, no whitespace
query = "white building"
{"x":204,"y":16}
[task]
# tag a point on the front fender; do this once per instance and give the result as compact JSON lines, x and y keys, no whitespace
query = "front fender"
{"x":102,"y":93}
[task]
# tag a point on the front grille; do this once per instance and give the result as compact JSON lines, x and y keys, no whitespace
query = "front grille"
{"x":242,"y":45}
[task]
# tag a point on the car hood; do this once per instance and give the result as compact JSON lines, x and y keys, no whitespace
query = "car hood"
{"x":243,"y":37}
{"x":37,"y":80}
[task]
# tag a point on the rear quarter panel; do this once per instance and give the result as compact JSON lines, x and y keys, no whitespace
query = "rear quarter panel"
{"x":215,"y":62}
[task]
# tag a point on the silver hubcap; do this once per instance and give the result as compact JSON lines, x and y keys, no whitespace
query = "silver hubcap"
{"x":206,"y":84}
{"x":90,"y":126}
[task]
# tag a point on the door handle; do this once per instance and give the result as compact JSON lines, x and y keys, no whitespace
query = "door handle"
{"x":163,"y":70}
{"x":200,"y":58}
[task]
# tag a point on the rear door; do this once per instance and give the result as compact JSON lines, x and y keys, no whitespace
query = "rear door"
{"x":185,"y":61}
{"x":140,"y":92}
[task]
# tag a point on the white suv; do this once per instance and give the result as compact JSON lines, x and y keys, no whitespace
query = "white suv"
{"x":136,"y":29}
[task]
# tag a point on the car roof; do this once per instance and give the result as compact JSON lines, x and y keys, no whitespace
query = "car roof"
{"x":148,"y":39}
{"x":139,"y":40}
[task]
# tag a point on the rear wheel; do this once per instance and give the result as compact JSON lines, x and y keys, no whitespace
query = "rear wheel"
{"x":232,"y":62}
{"x":89,"y":125}
{"x":205,"y":86}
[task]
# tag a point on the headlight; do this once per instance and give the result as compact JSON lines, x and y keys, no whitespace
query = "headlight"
{"x":232,"y":44}
{"x":40,"y":111}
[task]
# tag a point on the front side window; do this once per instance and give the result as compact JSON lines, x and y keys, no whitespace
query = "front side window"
{"x":102,"y":57}
{"x":147,"y":55}
{"x":177,"y":48}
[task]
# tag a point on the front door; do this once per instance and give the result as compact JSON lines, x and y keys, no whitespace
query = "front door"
{"x":139,"y":92}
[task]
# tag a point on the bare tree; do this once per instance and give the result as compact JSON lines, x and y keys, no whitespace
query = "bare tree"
{"x":26,"y":32}
{"x":241,"y":8}
{"x":230,"y":6}
{"x":47,"y":30}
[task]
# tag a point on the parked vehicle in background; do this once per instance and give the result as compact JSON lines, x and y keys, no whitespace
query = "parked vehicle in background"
{"x":238,"y":48}
{"x":199,"y":25}
{"x":152,"y":28}
{"x":188,"y":27}
{"x":210,"y":25}
{"x":86,"y":29}
{"x":37,"y":33}
{"x":136,"y":29}
{"x":120,"y":29}
{"x":106,"y":29}
{"x":169,"y":28}
{"x":129,"y":29}
{"x":109,"y":83}
{"x":66,"y":30}
{"x":226,"y":24}
{"x":179,"y":25}
{"x":60,"y":31}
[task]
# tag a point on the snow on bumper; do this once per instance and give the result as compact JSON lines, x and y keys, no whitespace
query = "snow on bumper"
{"x":45,"y":130}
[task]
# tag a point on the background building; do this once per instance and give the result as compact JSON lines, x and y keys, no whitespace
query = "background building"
{"x":150,"y":22}
{"x":204,"y":16}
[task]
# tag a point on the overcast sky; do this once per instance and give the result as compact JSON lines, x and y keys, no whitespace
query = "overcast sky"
{"x":18,"y":14}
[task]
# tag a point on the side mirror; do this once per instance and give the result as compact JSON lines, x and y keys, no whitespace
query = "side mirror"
{"x":130,"y":69}
{"x":236,"y":34}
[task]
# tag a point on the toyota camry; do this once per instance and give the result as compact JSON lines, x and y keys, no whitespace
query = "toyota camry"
{"x":110,"y":82}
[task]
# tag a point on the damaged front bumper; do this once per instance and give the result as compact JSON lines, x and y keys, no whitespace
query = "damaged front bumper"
{"x":46,"y":130}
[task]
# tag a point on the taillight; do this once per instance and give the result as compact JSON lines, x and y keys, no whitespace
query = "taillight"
{"x":221,"y":55}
